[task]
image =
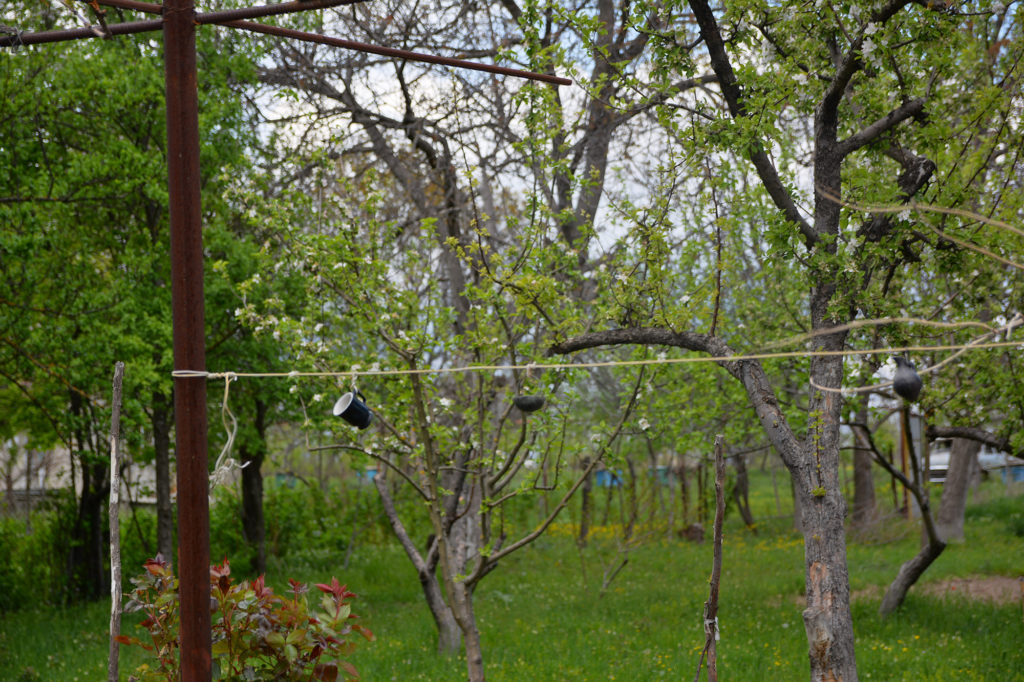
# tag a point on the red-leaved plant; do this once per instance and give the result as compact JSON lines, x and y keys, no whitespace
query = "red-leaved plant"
{"x":256,"y":634}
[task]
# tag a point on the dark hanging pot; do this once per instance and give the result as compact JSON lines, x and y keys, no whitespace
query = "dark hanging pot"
{"x":528,"y":403}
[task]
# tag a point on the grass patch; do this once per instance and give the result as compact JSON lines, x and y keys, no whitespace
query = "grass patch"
{"x":543,"y":616}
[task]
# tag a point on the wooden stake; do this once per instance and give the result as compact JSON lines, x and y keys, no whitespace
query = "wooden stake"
{"x":711,"y":605}
{"x":115,"y":522}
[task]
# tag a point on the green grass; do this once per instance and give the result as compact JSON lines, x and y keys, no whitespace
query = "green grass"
{"x":542,"y":616}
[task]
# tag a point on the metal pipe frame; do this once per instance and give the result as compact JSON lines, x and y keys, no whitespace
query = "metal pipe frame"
{"x":234,"y":19}
{"x":179,"y":21}
{"x":189,"y":331}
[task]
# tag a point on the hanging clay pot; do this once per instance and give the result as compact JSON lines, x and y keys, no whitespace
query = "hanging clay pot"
{"x":528,"y":403}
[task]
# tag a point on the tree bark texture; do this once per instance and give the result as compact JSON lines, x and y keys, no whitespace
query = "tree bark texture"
{"x":741,"y":492}
{"x":113,"y":511}
{"x":963,"y":461}
{"x":253,"y":522}
{"x":161,"y":423}
{"x":85,"y":559}
{"x":711,"y":605}
{"x":863,"y":478}
{"x":586,"y":505}
{"x":912,"y":570}
{"x":449,"y":637}
{"x":908,"y":575}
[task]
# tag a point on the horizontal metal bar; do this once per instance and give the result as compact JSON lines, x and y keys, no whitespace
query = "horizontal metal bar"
{"x":80,"y":33}
{"x":395,"y":52}
{"x":149,"y":7}
{"x":225,"y":16}
{"x":230,"y":18}
{"x":234,"y":14}
{"x":226,"y":19}
{"x":157,"y":24}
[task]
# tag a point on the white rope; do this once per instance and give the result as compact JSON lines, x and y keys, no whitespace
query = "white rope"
{"x":226,"y":464}
{"x":191,"y":373}
{"x":976,"y":343}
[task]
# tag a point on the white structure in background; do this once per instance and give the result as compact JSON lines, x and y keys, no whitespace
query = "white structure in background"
{"x":991,"y":462}
{"x":29,"y":475}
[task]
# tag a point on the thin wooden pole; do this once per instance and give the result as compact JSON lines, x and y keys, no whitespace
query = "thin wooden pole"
{"x":711,"y":605}
{"x":114,"y":512}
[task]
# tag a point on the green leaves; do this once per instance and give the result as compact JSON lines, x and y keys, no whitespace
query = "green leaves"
{"x":256,"y":634}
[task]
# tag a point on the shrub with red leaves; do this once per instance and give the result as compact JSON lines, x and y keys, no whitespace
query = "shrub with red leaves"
{"x":256,"y":633}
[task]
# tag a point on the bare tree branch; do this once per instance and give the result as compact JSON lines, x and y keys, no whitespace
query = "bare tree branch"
{"x":750,"y":373}
{"x":731,"y":91}
{"x":867,"y":135}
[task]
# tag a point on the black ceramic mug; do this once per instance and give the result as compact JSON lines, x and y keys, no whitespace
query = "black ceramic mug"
{"x":352,"y":408}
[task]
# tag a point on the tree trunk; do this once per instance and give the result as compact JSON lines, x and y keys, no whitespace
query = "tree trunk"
{"x":467,"y":623}
{"x":822,"y":505}
{"x":449,"y":636}
{"x":253,"y":524}
{"x":161,"y":422}
{"x":28,"y":491}
{"x":87,"y":551}
{"x":908,"y":575}
{"x":863,"y":478}
{"x":827,"y":618}
{"x":586,"y":491}
{"x":463,"y":550}
{"x":933,"y":546}
{"x":684,"y":491}
{"x":741,"y":492}
{"x":798,"y":523}
{"x":963,"y":460}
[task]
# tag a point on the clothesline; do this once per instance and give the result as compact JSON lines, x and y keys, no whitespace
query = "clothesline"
{"x":535,"y":366}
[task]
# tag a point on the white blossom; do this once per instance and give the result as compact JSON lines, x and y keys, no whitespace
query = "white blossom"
{"x":644,"y":424}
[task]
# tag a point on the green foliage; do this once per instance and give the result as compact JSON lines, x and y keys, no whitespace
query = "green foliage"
{"x":256,"y":633}
{"x":33,"y":564}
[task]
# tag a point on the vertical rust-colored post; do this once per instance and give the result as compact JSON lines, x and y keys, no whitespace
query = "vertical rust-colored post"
{"x":189,"y":337}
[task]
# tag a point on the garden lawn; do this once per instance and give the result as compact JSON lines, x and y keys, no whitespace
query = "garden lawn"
{"x":544,"y":617}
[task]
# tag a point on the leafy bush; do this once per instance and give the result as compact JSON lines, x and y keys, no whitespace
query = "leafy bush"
{"x":304,"y":520}
{"x":256,"y":634}
{"x":33,"y":564}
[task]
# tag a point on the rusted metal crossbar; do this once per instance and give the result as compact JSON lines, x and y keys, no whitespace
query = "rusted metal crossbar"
{"x":236,"y":18}
{"x":178,"y":22}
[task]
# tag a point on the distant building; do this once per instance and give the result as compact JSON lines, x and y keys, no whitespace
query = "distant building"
{"x":29,"y":476}
{"x":991,"y":462}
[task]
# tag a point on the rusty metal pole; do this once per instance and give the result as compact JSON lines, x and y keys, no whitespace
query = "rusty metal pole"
{"x":189,"y":338}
